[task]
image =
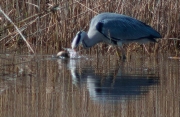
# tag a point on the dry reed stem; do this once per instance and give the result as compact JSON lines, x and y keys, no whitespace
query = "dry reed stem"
{"x":55,"y":29}
{"x":16,"y":29}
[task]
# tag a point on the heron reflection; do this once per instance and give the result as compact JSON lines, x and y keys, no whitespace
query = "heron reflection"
{"x":114,"y":85}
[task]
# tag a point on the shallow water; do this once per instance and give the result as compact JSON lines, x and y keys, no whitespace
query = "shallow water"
{"x":89,"y":86}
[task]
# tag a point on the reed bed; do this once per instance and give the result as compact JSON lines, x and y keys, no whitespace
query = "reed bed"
{"x":48,"y":26}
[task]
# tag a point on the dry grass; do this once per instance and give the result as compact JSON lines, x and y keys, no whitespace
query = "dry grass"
{"x":48,"y":28}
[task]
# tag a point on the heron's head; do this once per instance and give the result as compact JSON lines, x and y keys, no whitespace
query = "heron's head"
{"x":78,"y":39}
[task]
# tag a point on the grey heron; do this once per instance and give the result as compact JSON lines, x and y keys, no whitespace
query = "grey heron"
{"x":115,"y":29}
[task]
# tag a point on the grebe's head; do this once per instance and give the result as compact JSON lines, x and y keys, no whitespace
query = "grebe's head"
{"x":78,"y":39}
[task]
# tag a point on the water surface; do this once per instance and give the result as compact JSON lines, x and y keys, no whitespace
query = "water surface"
{"x":89,"y":86}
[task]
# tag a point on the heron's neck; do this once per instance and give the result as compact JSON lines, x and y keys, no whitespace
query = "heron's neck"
{"x":91,"y":39}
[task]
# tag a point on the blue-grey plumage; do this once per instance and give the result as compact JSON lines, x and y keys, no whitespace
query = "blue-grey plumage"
{"x":115,"y":29}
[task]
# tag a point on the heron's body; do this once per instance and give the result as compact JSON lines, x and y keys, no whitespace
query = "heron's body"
{"x":115,"y":29}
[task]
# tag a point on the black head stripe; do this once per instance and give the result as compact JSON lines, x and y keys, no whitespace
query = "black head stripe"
{"x":78,"y":37}
{"x":99,"y":27}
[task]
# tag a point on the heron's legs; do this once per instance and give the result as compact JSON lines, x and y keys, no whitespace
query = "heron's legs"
{"x":121,"y":55}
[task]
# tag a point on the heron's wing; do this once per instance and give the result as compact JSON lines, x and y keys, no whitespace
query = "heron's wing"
{"x":126,"y":29}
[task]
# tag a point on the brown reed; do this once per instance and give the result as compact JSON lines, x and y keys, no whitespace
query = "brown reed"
{"x":52,"y":25}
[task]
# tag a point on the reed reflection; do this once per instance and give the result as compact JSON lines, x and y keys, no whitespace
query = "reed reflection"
{"x":113,"y":85}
